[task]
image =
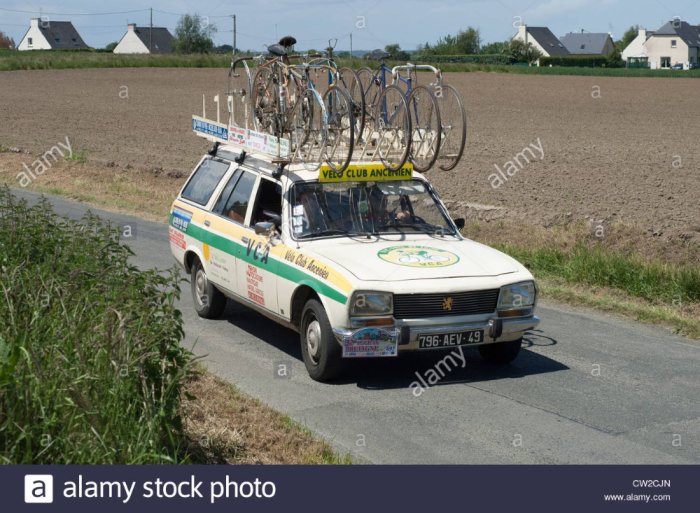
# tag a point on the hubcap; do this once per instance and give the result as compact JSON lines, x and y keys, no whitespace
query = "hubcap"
{"x":313,"y":339}
{"x":200,"y":287}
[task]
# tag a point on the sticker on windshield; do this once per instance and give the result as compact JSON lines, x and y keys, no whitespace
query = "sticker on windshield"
{"x":418,"y":256}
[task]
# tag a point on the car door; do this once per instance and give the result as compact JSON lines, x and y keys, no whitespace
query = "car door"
{"x":257,"y":270}
{"x":226,"y":225}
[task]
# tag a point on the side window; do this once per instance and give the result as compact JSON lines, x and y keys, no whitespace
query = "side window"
{"x":237,"y":203}
{"x":269,"y":200}
{"x":203,"y":182}
{"x":226,"y":193}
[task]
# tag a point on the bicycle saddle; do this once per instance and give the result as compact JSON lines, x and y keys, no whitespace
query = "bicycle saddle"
{"x":287,"y":41}
{"x":378,"y":55}
{"x":277,"y":50}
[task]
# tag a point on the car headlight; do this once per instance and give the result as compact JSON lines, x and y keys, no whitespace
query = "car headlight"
{"x":372,"y":303}
{"x":517,"y":296}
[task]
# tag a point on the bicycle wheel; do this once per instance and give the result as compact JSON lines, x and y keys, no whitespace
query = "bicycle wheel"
{"x":392,"y":128}
{"x":426,"y":128}
{"x":307,"y":126}
{"x":453,"y":118}
{"x":350,"y":80}
{"x":265,"y":101}
{"x":372,"y":88}
{"x":341,"y":128}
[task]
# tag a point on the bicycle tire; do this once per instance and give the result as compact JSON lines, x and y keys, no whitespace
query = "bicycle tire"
{"x":426,"y":128}
{"x":372,"y":88}
{"x":392,"y":127}
{"x":265,"y":102}
{"x":307,"y":126}
{"x":453,"y":118}
{"x":340,"y":144}
{"x":350,"y":80}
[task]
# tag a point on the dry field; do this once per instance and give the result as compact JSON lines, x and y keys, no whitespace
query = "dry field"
{"x":616,"y":150}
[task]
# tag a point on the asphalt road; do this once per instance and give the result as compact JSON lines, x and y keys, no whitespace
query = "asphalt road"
{"x":587,"y":388}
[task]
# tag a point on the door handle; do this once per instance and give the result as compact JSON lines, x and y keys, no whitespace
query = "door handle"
{"x":245,"y":240}
{"x":207,"y":223}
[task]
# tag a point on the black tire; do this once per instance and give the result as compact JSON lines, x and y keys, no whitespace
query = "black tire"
{"x":341,"y":128}
{"x":321,"y":352}
{"x":453,"y":118}
{"x":265,"y":101}
{"x":371,"y":89}
{"x":392,"y":123}
{"x":501,"y":353}
{"x":350,"y":80}
{"x":208,"y":301}
{"x":426,"y":128}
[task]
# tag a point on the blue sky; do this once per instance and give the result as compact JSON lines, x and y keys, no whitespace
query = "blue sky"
{"x":313,"y":22}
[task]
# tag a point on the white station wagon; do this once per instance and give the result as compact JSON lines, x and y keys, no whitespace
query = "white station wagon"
{"x":363,"y":264}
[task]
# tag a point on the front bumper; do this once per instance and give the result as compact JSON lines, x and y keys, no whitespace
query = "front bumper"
{"x":496,"y":330}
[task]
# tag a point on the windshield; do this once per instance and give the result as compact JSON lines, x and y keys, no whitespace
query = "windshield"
{"x":355,"y":208}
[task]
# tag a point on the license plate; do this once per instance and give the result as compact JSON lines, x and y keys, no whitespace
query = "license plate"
{"x":450,"y":339}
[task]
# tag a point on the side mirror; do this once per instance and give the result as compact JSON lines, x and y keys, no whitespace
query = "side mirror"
{"x":273,"y":216}
{"x":459,"y":223}
{"x":264,"y":228}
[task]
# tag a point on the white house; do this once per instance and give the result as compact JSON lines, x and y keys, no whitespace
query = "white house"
{"x":45,"y":34}
{"x":145,"y":40}
{"x":677,"y":42}
{"x":636,"y":50}
{"x":543,"y":39}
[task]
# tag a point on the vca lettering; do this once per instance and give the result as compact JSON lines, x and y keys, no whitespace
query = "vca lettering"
{"x":259,"y":252}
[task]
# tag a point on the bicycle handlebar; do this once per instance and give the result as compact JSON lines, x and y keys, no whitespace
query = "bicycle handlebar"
{"x":233,"y":65}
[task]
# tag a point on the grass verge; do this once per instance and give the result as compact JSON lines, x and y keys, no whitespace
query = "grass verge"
{"x":91,"y":366}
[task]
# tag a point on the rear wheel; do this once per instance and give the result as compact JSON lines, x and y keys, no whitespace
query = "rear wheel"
{"x":501,"y":353}
{"x":321,"y":352}
{"x":350,"y":80}
{"x":426,"y":128}
{"x":392,"y":126}
{"x":341,"y":128}
{"x":209,"y":302}
{"x":453,"y":118}
{"x":265,"y":101}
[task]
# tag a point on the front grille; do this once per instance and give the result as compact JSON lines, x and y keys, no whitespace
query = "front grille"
{"x":419,"y":306}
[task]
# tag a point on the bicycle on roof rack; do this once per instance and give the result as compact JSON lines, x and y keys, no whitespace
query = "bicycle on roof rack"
{"x":284,"y":100}
{"x":437,"y":114}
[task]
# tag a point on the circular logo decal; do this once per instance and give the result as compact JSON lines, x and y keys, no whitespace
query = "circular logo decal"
{"x":418,"y":256}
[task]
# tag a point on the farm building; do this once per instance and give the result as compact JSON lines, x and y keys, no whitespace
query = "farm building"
{"x":543,"y":39}
{"x":635,"y":54}
{"x":145,"y":40}
{"x":677,"y":42}
{"x":588,"y":44}
{"x":44,"y":34}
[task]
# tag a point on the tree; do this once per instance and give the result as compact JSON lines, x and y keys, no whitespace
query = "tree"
{"x":629,"y":36}
{"x":519,"y":51}
{"x":192,"y":36}
{"x":468,"y":41}
{"x":397,"y":53}
{"x":494,"y":48}
{"x":111,"y":46}
{"x":6,"y":41}
{"x":465,"y":42}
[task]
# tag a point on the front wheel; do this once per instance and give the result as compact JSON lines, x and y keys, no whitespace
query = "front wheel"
{"x":501,"y":353}
{"x":321,"y":352}
{"x":209,"y":302}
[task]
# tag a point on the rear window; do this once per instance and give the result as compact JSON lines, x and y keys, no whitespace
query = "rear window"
{"x":203,"y":182}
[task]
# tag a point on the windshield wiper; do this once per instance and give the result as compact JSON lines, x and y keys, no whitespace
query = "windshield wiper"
{"x":326,"y":233}
{"x":424,"y":227}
